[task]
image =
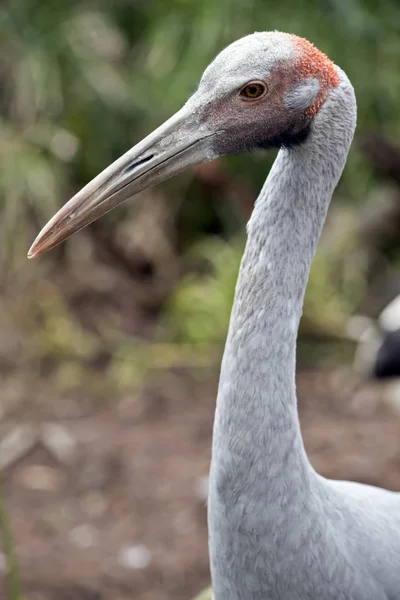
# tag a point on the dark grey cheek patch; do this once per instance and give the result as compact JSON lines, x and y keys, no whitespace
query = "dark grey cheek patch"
{"x":289,"y":138}
{"x":268,"y":135}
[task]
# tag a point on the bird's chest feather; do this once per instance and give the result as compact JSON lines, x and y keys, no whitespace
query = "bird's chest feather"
{"x":262,"y":551}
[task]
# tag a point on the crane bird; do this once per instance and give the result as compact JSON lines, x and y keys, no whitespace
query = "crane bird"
{"x":378,"y":350}
{"x":277,"y":529}
{"x":377,"y":356}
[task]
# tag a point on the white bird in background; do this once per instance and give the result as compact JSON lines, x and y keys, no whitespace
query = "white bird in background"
{"x":277,"y":530}
{"x":378,"y":350}
{"x":377,"y":356}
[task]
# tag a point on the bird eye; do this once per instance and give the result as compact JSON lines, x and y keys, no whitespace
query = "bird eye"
{"x":253,"y":90}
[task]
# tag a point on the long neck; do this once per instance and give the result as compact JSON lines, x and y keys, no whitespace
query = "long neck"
{"x":257,"y":448}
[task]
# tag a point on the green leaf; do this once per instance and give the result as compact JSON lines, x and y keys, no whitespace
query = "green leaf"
{"x":204,"y":595}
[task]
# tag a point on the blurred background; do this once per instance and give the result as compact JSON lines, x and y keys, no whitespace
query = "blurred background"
{"x":110,"y":345}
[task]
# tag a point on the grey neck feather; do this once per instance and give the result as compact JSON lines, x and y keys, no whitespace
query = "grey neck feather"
{"x":260,"y":472}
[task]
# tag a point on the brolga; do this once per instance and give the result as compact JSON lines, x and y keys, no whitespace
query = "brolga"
{"x":378,"y":350}
{"x":277,"y":529}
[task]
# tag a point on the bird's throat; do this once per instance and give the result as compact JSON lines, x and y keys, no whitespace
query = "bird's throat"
{"x":261,"y":482}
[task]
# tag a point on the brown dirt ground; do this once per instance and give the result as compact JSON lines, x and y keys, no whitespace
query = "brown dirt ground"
{"x":135,"y":482}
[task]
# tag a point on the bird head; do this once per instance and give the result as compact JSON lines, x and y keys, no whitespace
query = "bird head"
{"x":262,"y":91}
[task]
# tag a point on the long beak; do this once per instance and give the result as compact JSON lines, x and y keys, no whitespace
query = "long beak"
{"x":181,"y":142}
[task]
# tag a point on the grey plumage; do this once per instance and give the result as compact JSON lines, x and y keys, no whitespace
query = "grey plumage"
{"x":278,"y":530}
{"x":302,"y":95}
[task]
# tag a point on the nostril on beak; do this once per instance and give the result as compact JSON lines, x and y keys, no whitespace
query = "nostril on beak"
{"x":136,"y":164}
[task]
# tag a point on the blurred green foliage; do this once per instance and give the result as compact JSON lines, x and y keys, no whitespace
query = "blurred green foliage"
{"x":205,"y":595}
{"x":82,"y":81}
{"x":12,"y":578}
{"x":199,"y":308}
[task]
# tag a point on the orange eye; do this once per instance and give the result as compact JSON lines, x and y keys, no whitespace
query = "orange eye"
{"x":253,"y":90}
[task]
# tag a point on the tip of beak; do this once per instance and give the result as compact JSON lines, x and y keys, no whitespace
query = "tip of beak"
{"x":33,"y":252}
{"x":44,"y":241}
{"x":39,"y":246}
